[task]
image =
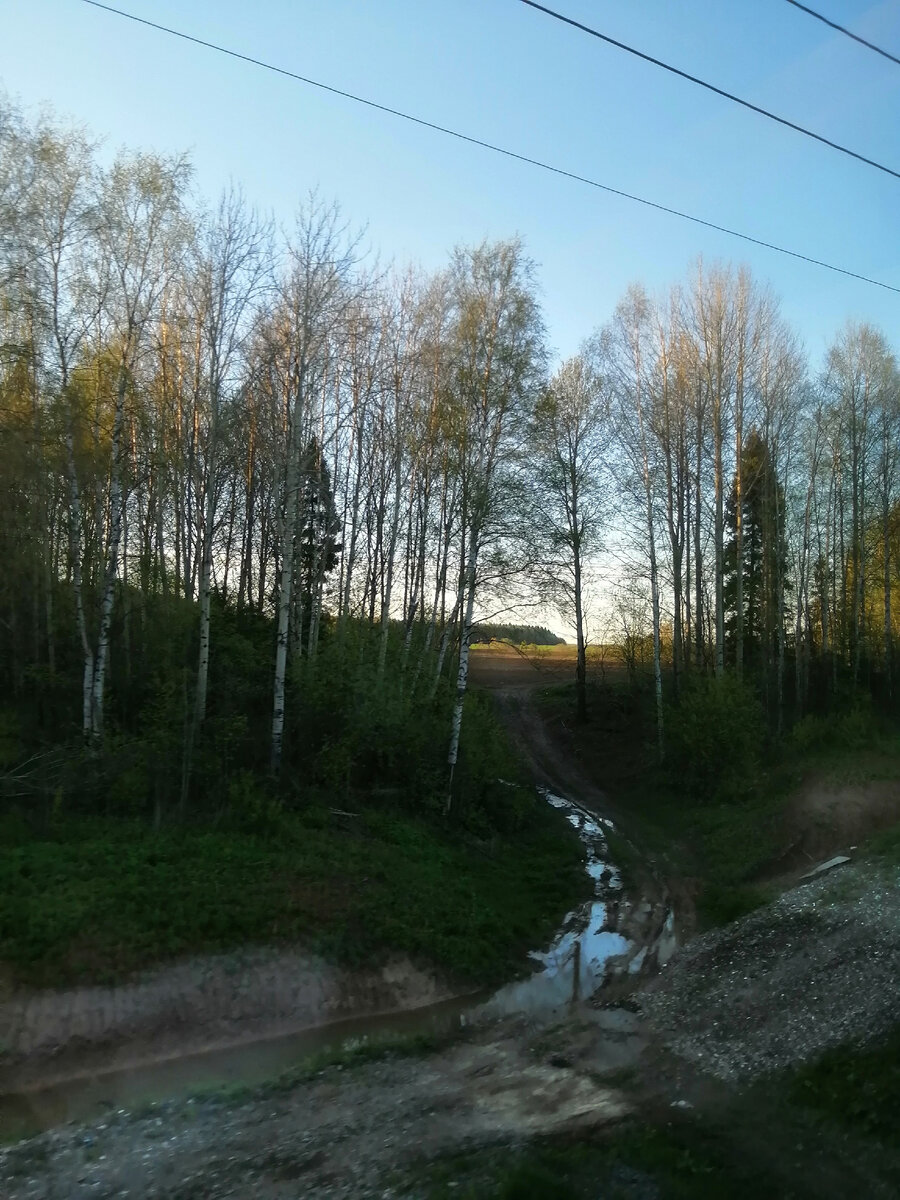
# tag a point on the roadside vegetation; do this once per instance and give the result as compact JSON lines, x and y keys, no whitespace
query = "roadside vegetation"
{"x":103,"y":869}
{"x":252,"y":491}
{"x":720,"y":811}
{"x":91,"y":901}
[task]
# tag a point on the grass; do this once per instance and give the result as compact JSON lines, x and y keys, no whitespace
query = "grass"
{"x":566,"y":652}
{"x":94,"y":900}
{"x":885,"y":846}
{"x":678,"y":1160}
{"x":856,"y":1086}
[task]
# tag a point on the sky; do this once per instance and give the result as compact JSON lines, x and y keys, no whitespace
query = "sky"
{"x":502,"y":72}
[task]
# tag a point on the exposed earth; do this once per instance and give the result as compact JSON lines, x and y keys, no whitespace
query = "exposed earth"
{"x":818,"y":966}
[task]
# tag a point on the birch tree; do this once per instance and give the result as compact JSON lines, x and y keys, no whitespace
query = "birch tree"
{"x":714,"y":321}
{"x":316,"y":295}
{"x":496,"y":363}
{"x":568,"y":446}
{"x":230,"y":273}
{"x":139,"y":227}
{"x":629,"y":355}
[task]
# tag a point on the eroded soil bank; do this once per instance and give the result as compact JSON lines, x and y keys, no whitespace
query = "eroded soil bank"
{"x":194,"y":1007}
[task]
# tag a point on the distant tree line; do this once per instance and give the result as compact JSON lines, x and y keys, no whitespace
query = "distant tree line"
{"x":519,"y":635}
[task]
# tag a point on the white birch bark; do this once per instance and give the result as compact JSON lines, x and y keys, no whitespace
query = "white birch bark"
{"x":285,"y":582}
{"x":462,"y":675}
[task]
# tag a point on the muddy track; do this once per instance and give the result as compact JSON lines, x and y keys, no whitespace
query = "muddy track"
{"x":552,"y":765}
{"x":512,"y":679}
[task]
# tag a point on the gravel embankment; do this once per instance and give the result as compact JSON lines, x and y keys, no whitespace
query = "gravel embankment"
{"x":818,"y":966}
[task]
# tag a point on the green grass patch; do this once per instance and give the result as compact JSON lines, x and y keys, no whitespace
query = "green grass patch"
{"x":677,"y":1161}
{"x":886,"y":846}
{"x":91,"y":901}
{"x":857,"y":1086}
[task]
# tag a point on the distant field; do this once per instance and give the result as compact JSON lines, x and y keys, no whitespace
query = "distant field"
{"x":497,"y":665}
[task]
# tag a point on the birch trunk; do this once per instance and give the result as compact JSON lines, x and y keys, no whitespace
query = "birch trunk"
{"x":581,"y":662}
{"x":75,"y":554}
{"x":292,"y":492}
{"x":462,"y":675}
{"x":205,"y":574}
{"x":719,"y":483}
{"x":112,"y":561}
{"x":389,"y":576}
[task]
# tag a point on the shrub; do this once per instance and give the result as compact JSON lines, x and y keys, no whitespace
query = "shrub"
{"x":714,"y":741}
{"x":854,"y":729}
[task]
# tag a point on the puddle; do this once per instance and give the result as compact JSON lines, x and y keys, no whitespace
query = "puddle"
{"x":92,"y":1097}
{"x":608,"y":937}
{"x":611,"y":936}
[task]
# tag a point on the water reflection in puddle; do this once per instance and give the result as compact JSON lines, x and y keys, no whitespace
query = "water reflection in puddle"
{"x":607,"y":937}
{"x":611,"y":936}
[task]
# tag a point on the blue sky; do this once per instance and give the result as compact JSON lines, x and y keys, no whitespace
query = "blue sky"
{"x":502,"y":72}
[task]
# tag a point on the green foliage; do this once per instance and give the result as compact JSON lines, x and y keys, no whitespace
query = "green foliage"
{"x":853,"y":729}
{"x":494,"y":793}
{"x":169,"y":840}
{"x":886,"y":845}
{"x":352,"y":730}
{"x":715,"y":738}
{"x":681,"y":1160}
{"x":855,"y":1085}
{"x":96,"y":898}
{"x":721,"y":904}
{"x":10,"y":738}
{"x":529,"y":1181}
{"x":764,"y":557}
{"x":721,"y":844}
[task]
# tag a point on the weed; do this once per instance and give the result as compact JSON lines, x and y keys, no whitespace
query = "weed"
{"x":99,"y":898}
{"x":854,"y":1085}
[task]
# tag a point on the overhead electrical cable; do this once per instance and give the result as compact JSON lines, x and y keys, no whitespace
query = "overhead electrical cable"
{"x":710,"y":87}
{"x":474,"y":141}
{"x":847,"y":32}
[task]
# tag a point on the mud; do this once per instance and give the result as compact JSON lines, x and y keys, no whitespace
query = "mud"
{"x":342,"y":1134}
{"x":194,"y":1007}
{"x":828,"y":816}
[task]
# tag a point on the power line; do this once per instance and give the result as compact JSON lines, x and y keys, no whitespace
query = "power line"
{"x":474,"y":141}
{"x":847,"y":32}
{"x":710,"y":87}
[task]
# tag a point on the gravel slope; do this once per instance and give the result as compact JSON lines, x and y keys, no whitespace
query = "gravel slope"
{"x":818,"y":966}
